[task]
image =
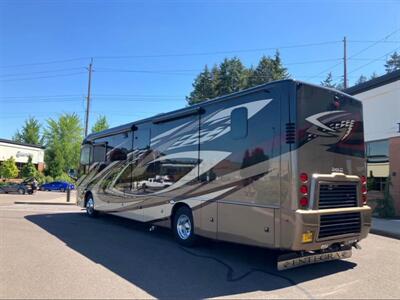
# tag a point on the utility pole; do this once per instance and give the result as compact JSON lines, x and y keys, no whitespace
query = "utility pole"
{"x":344,"y":63}
{"x":88,"y":97}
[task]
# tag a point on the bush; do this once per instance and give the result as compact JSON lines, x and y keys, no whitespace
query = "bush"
{"x":64,"y":177}
{"x":48,"y":179}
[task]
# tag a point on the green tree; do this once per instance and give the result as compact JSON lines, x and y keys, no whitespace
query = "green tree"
{"x":63,"y":139}
{"x":374,"y":75}
{"x":361,"y":79}
{"x":30,"y":132}
{"x":263,"y":73}
{"x":29,"y":170}
{"x":203,"y":86}
{"x":328,"y":82}
{"x":231,"y":76}
{"x":393,"y":62}
{"x":279,"y":72}
{"x":8,"y":169}
{"x":101,"y":124}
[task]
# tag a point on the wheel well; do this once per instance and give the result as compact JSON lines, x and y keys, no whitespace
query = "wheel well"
{"x":175,"y":209}
{"x":88,"y":193}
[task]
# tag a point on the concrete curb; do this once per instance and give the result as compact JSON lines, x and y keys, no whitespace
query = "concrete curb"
{"x":44,"y":203}
{"x":392,"y":235}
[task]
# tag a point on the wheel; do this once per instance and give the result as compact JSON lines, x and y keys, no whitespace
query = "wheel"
{"x":90,"y":211}
{"x":62,"y":190}
{"x":183,"y":226}
{"x":21,"y":191}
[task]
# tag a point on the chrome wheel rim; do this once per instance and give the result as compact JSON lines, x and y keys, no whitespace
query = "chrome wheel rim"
{"x":184,"y":227}
{"x":90,"y":206}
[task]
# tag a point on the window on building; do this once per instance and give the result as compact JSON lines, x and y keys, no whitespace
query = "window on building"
{"x":239,"y":123}
{"x":378,"y":151}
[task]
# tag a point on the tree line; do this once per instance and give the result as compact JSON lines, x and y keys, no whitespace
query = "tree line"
{"x":62,"y":139}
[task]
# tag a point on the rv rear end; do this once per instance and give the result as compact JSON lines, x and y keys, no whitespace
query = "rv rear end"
{"x":327,"y":213}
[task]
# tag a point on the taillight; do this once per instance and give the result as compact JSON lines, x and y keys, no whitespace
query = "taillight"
{"x":303,"y":190}
{"x":364,"y":189}
{"x":303,"y":177}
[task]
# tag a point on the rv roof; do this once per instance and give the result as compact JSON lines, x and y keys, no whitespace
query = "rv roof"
{"x":195,"y":107}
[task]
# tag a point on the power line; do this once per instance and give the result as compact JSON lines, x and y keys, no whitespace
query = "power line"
{"x":41,"y":77}
{"x":374,"y":60}
{"x":40,"y":72}
{"x":375,"y":43}
{"x":46,"y":63}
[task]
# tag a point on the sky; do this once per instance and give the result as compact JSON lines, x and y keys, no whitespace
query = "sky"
{"x":146,"y":54}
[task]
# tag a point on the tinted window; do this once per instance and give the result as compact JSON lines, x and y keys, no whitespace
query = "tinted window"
{"x":99,"y":152}
{"x":142,"y":138}
{"x":239,"y":123}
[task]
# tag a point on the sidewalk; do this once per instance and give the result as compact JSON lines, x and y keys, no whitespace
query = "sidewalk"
{"x":49,"y":198}
{"x":386,"y":227}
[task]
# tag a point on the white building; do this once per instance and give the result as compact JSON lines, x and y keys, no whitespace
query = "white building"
{"x":381,"y":109}
{"x":21,"y":152}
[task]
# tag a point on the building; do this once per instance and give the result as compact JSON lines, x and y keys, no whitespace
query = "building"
{"x":381,"y":107}
{"x":21,"y":153}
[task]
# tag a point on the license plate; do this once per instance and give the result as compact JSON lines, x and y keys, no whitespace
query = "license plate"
{"x":285,"y":263}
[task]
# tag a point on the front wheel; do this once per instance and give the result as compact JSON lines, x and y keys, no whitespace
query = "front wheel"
{"x":90,"y":211}
{"x":183,"y":227}
{"x":21,"y":191}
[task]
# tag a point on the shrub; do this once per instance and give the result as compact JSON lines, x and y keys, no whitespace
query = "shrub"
{"x":64,"y":177}
{"x":48,"y":179}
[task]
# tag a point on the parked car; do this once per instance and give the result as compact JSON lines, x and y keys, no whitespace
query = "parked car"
{"x":19,"y":188}
{"x":57,"y":186}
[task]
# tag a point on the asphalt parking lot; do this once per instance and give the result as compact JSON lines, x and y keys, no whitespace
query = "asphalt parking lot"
{"x":55,"y":251}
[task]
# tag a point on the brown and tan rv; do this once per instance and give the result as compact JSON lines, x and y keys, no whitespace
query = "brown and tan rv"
{"x":280,"y":166}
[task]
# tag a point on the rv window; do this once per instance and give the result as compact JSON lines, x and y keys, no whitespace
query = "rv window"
{"x":99,"y":153}
{"x":85,"y":155}
{"x":239,"y":123}
{"x":142,"y":139}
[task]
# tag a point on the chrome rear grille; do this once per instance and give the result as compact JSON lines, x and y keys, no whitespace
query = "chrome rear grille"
{"x":339,"y":224}
{"x":337,"y":195}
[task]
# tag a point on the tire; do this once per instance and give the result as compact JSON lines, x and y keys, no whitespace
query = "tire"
{"x":21,"y":191}
{"x":89,"y":205}
{"x":183,"y":227}
{"x":62,"y":190}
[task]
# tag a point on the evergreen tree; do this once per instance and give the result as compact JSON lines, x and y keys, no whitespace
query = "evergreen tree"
{"x":279,"y":72}
{"x":100,"y":125}
{"x":393,"y":63}
{"x":63,"y":141}
{"x":203,"y":87}
{"x":374,"y":75}
{"x":9,"y":169}
{"x":328,"y":82}
{"x":263,"y":73}
{"x":231,"y":76}
{"x":28,"y":170}
{"x":30,"y":132}
{"x":361,"y":79}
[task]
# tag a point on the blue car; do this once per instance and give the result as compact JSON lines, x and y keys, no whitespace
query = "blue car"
{"x":61,"y":186}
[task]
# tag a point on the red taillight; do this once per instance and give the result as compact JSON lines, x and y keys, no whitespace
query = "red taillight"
{"x":363,"y":180}
{"x":304,"y":189}
{"x":303,"y":177}
{"x":364,"y":189}
{"x":304,"y":201}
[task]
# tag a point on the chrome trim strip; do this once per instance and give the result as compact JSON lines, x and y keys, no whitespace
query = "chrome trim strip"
{"x":249,"y":204}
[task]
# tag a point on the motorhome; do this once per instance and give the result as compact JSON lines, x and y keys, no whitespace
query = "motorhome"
{"x":280,"y":166}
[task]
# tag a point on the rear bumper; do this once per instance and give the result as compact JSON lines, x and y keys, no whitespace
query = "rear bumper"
{"x":309,"y":221}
